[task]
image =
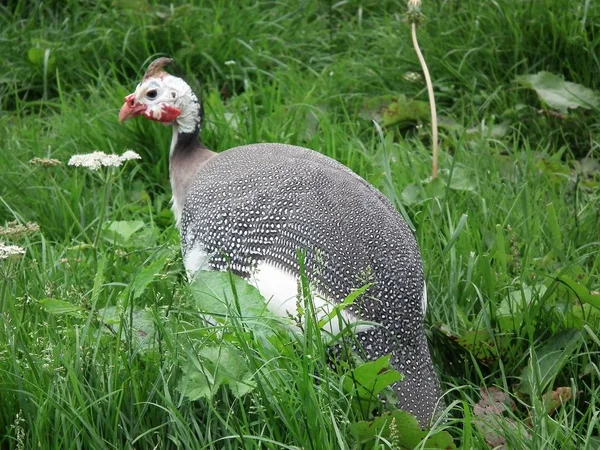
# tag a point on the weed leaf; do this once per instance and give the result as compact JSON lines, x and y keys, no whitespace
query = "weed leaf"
{"x":216,"y":366}
{"x":120,"y":231}
{"x":369,"y":379}
{"x":581,"y":292}
{"x":61,"y":307}
{"x":403,"y":111}
{"x":559,"y":94}
{"x":549,"y":360}
{"x":408,"y":433}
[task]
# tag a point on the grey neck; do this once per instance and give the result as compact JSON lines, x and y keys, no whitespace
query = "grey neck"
{"x":187,"y":157}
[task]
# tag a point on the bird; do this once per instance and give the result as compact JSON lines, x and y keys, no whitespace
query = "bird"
{"x":251,"y":209}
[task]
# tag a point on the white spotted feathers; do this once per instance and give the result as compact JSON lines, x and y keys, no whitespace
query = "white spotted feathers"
{"x":254,"y":207}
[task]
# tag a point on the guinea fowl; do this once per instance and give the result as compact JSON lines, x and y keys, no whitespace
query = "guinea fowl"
{"x":251,"y":208}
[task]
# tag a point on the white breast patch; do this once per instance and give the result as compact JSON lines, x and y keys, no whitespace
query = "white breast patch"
{"x":280,"y":290}
{"x":196,"y":259}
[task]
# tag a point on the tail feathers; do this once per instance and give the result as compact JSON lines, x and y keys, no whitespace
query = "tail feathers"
{"x":419,"y":391}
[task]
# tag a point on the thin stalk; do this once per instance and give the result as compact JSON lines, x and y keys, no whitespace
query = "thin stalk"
{"x":434,"y":124}
{"x":107,"y":180}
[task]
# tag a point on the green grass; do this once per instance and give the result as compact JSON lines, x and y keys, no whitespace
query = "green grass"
{"x":514,"y":220}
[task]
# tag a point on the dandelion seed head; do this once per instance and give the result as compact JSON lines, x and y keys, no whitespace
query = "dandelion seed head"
{"x":413,"y":14}
{"x":414,"y":5}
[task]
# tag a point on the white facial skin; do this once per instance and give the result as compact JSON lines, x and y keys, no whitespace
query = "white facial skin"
{"x":169,"y":100}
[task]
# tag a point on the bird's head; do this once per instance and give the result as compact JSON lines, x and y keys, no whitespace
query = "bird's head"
{"x":164,"y":98}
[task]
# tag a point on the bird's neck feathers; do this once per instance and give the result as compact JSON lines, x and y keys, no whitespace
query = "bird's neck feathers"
{"x":188,"y":155}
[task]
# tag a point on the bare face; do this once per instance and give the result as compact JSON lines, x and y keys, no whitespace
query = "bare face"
{"x":156,"y":98}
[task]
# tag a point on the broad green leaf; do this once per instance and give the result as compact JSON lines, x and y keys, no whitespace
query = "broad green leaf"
{"x":404,"y":111}
{"x":497,"y":130}
{"x":197,"y":384}
{"x":144,"y":278}
{"x":462,"y":179}
{"x":400,"y":110}
{"x":122,"y":230}
{"x":436,"y":187}
{"x":369,"y":379}
{"x":510,"y":312}
{"x":449,"y":123}
{"x":409,"y":434}
{"x":145,"y":238}
{"x":555,"y":170}
{"x":480,"y":343}
{"x":412,"y":194}
{"x":142,"y":327}
{"x":216,"y":366}
{"x":224,"y":295}
{"x":42,"y":58}
{"x":61,"y":307}
{"x":147,"y":275}
{"x":559,"y":94}
{"x":549,"y":360}
{"x":581,"y":291}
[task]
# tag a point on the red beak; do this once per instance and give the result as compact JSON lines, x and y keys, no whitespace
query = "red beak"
{"x":130,"y":109}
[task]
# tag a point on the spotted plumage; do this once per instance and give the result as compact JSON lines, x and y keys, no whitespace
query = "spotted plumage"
{"x":250,"y":209}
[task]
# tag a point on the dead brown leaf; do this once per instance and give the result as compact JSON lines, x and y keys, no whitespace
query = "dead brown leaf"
{"x":558,"y":397}
{"x":489,"y":416}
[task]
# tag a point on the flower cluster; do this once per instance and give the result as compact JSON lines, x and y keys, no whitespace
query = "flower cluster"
{"x":95,"y":160}
{"x":412,"y":77}
{"x":44,"y":162}
{"x":16,"y":230}
{"x":6,"y":251}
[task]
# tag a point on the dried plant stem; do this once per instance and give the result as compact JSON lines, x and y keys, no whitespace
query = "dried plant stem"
{"x":434,"y":124}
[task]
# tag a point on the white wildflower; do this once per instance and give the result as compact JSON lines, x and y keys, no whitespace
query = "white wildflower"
{"x":230,"y":63}
{"x":6,"y":251}
{"x":95,"y":160}
{"x":92,"y":161}
{"x":112,"y":161}
{"x":129,"y":155}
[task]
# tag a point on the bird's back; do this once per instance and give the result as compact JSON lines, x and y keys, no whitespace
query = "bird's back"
{"x":265,"y":202}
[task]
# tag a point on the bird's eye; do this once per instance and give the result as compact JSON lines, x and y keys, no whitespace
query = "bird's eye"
{"x":151,"y":94}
